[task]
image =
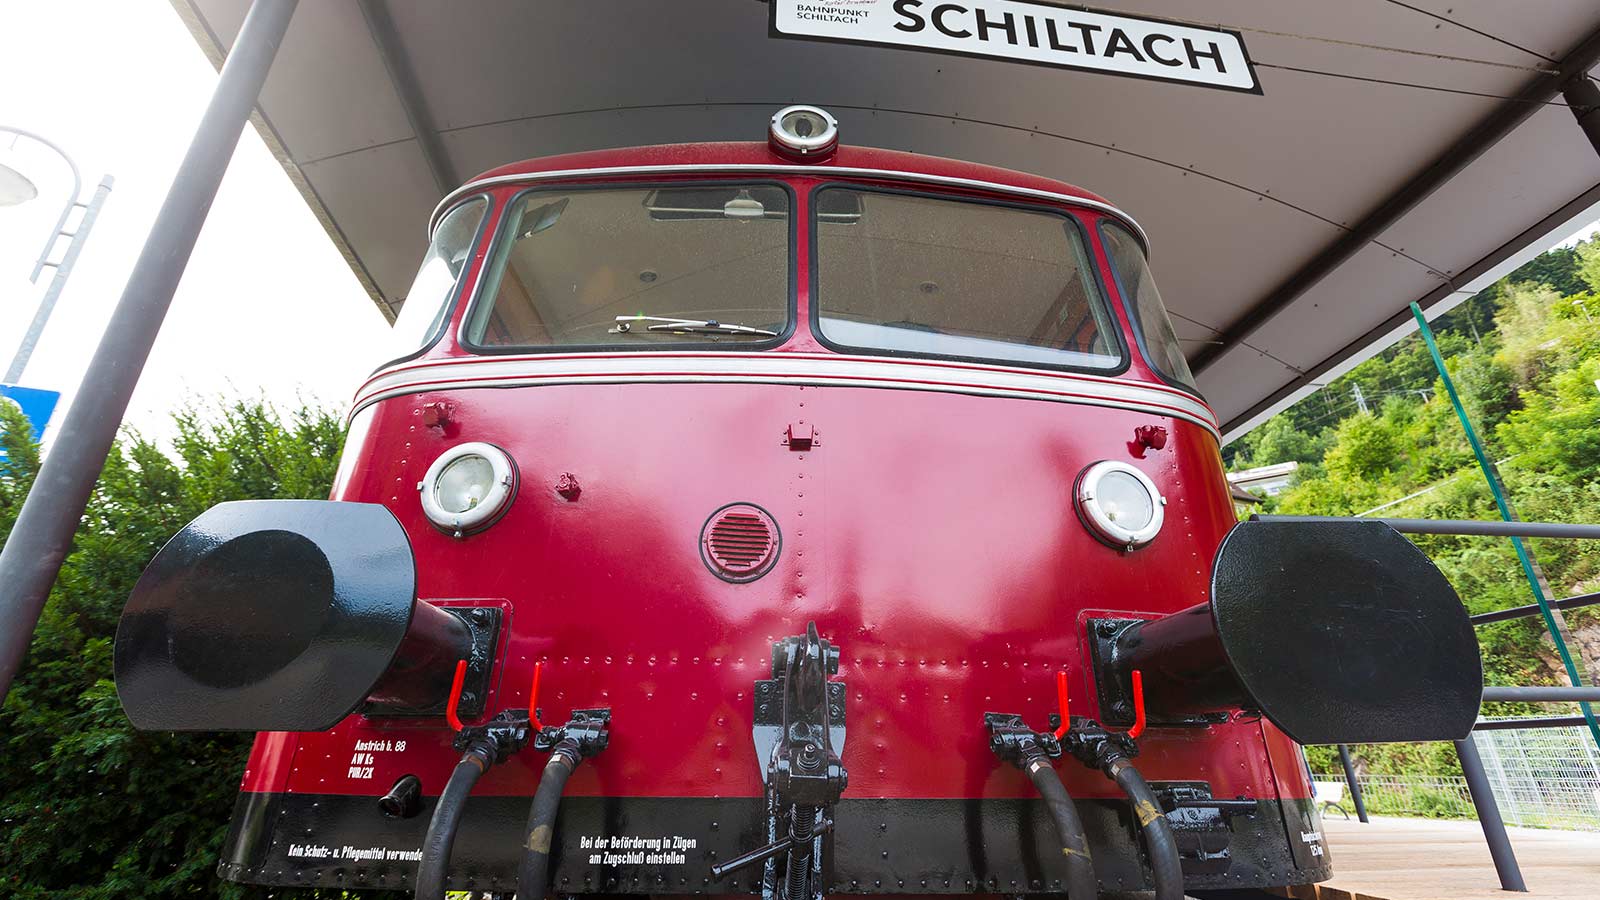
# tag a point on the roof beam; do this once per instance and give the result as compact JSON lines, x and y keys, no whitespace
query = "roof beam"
{"x":404,"y":80}
{"x":1584,"y":98}
{"x":1309,"y":378}
{"x":1488,"y":132}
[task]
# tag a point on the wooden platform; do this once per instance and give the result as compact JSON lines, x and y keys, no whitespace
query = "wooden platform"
{"x":1426,"y":859}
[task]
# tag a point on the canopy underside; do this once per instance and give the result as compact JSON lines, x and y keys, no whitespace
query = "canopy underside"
{"x":1398,"y":152}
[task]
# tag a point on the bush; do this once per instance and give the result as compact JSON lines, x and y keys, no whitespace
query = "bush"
{"x":89,"y":807}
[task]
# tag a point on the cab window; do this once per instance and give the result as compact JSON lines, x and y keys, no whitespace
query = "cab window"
{"x":1153,"y":327}
{"x":639,"y":268}
{"x":931,"y":276}
{"x":427,"y":304}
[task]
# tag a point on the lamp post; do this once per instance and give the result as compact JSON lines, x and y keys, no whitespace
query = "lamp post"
{"x":42,"y":535}
{"x":16,"y":188}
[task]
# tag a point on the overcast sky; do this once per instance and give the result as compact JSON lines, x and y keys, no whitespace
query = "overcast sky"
{"x":267,"y":305}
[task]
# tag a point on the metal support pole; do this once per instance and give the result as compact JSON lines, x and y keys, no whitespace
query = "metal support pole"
{"x":43,"y":532}
{"x":1494,"y":828}
{"x":1532,"y":609}
{"x":1511,"y":528}
{"x":41,"y":316}
{"x":1539,"y":694}
{"x":1529,"y":722}
{"x":1350,"y":780}
{"x":1583,"y":97}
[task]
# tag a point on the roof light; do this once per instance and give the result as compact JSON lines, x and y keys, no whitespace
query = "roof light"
{"x":803,"y":132}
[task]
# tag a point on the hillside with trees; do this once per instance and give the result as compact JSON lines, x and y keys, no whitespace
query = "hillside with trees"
{"x":1383,"y":439}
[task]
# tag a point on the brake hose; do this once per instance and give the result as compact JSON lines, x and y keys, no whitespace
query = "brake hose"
{"x":1031,"y":751}
{"x":533,"y":875}
{"x":1081,"y":882}
{"x":1158,"y":837}
{"x":479,"y":756}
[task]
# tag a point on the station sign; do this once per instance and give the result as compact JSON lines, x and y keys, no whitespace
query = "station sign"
{"x":1030,"y":32}
{"x":37,"y":407}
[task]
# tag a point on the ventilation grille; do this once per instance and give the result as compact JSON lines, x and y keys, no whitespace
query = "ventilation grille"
{"x":740,"y":542}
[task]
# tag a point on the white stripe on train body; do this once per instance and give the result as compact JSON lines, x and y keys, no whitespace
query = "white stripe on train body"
{"x":782,"y":368}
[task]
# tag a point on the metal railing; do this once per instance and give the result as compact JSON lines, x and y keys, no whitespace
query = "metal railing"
{"x":1541,"y":778}
{"x":1477,"y":778}
{"x":1416,"y":796}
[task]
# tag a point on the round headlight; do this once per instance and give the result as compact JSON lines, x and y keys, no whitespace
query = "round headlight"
{"x":1119,"y":504}
{"x":803,"y":131}
{"x":468,"y":488}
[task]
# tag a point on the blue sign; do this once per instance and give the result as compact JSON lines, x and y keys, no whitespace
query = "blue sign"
{"x":38,"y":405}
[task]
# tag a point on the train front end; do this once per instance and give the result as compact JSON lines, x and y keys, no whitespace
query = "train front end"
{"x":786,"y":519}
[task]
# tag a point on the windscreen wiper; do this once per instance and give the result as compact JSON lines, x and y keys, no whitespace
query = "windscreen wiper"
{"x":625,"y":325}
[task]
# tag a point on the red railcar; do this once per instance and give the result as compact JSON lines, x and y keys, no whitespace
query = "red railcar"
{"x":804,"y":483}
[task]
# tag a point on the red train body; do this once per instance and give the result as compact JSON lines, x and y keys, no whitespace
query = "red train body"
{"x":921,"y":510}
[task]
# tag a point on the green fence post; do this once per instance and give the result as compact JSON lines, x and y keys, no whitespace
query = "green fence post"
{"x":1498,"y":491}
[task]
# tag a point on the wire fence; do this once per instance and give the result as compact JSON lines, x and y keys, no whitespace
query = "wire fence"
{"x":1542,"y":778}
{"x":1421,"y":796}
{"x":1548,"y":778}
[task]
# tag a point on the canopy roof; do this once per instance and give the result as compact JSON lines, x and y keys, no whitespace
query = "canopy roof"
{"x":1396,"y":152}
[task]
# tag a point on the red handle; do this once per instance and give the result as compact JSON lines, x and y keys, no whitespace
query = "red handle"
{"x":1138,"y":705}
{"x":533,"y":697}
{"x":455,"y":697}
{"x":1061,"y":703}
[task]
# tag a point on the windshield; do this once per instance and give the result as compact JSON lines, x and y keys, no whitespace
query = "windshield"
{"x":427,"y":304}
{"x":1157,"y":338}
{"x":942,"y":277}
{"x":639,"y":267}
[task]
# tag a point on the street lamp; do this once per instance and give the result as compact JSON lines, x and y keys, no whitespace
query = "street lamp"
{"x":16,"y":188}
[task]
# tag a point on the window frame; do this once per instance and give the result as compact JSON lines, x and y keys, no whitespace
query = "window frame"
{"x":1130,"y":306}
{"x":452,"y":302}
{"x":498,"y":242}
{"x":1117,"y":340}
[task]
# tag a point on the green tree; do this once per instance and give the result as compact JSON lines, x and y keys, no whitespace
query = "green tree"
{"x":1558,"y":429}
{"x":1561,"y":269}
{"x":1365,"y":446}
{"x":90,"y":807}
{"x":1524,"y":323}
{"x":1278,"y":441}
{"x":1588,"y":264}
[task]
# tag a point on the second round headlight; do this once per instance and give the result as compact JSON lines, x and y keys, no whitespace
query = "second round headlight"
{"x":468,"y":488}
{"x":1119,"y":504}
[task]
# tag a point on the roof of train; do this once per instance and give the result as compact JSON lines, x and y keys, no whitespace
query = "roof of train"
{"x":758,"y":153}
